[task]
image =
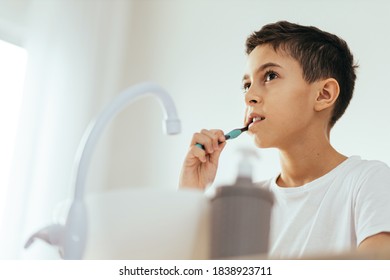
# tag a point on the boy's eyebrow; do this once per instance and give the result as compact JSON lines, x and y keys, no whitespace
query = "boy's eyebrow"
{"x":262,"y":67}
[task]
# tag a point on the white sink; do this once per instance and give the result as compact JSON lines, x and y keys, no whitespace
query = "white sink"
{"x":141,"y":223}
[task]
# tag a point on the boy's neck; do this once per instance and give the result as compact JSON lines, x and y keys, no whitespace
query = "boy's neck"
{"x":302,"y":165}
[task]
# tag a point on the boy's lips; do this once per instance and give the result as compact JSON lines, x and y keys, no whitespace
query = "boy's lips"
{"x":254,"y":118}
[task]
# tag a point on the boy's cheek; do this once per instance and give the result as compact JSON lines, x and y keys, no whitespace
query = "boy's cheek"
{"x":245,"y":115}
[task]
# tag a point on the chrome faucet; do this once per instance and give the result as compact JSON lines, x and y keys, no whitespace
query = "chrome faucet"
{"x":71,"y":238}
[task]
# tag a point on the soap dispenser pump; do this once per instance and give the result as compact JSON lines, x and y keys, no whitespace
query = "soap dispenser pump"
{"x":240,"y":215}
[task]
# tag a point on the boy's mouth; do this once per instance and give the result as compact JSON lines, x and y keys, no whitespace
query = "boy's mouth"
{"x":253,"y":118}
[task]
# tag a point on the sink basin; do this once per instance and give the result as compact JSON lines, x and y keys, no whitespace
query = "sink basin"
{"x":142,"y":223}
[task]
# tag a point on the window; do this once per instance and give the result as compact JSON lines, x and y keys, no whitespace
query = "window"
{"x":13,"y":60}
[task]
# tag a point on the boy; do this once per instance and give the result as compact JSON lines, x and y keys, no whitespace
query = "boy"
{"x":298,"y":83}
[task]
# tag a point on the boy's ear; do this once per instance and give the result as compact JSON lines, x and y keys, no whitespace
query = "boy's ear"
{"x":327,"y":94}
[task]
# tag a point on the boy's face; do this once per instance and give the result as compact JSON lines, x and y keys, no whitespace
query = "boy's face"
{"x":279,"y":102}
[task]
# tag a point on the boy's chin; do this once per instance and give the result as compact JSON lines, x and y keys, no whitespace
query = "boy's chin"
{"x":259,"y":143}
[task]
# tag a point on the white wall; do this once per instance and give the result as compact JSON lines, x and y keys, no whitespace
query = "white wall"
{"x":13,"y":15}
{"x":195,"y":49}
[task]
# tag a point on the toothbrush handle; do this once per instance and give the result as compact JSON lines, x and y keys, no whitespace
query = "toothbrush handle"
{"x":199,"y":146}
{"x":227,"y":137}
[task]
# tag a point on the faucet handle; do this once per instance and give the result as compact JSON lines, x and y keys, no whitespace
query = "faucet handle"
{"x":52,"y":234}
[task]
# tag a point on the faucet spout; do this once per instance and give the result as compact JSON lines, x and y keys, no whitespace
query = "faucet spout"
{"x":171,"y":125}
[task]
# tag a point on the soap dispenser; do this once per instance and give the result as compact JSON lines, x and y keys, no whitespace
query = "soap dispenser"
{"x":240,"y":215}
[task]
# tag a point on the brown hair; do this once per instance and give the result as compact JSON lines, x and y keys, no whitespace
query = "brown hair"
{"x":320,"y":54}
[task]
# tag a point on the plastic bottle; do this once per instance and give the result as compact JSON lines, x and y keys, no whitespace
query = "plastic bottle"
{"x":240,"y":216}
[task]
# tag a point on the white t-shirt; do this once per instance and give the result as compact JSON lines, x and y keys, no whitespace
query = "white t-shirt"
{"x":333,"y":213}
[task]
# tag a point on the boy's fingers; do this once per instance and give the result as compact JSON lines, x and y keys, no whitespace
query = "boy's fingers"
{"x":198,"y":153}
{"x":214,"y":157}
{"x":205,"y":140}
{"x":210,"y":139}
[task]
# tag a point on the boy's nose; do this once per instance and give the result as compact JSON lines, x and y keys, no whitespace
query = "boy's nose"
{"x":251,"y":98}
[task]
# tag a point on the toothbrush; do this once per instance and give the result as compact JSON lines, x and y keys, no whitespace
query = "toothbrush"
{"x":231,"y":135}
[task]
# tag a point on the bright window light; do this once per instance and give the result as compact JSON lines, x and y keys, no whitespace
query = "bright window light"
{"x":13,"y":61}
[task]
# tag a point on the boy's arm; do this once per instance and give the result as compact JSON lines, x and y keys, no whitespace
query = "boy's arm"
{"x":372,"y":210}
{"x":378,"y":242}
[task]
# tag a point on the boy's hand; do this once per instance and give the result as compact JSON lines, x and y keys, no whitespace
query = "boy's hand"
{"x":200,"y":166}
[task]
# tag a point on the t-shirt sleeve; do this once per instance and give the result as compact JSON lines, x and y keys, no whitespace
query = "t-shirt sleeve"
{"x":372,"y":205}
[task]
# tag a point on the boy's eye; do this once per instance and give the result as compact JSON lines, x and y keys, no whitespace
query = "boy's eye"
{"x":270,"y":75}
{"x":245,"y":87}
